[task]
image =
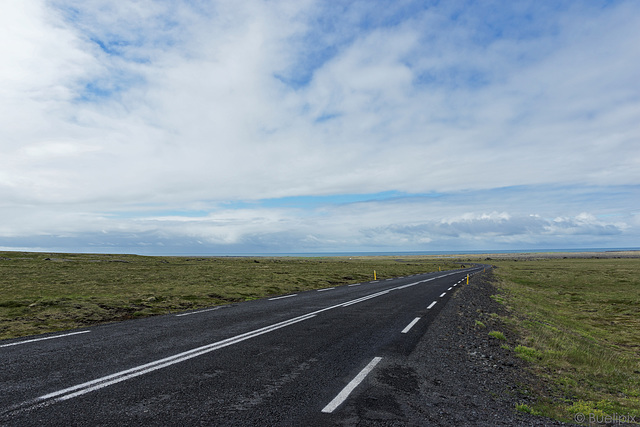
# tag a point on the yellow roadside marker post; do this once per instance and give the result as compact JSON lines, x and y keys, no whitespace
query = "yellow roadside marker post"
{"x":374,"y":275}
{"x":467,"y":279}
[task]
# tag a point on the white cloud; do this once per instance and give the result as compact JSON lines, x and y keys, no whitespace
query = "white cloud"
{"x":152,"y":105}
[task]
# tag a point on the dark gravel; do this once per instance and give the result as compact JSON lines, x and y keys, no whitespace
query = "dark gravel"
{"x":457,"y":375}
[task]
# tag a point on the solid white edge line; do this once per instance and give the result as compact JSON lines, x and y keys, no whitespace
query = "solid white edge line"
{"x":286,"y":296}
{"x":342,"y":396}
{"x":431,"y":305}
{"x":42,"y":339}
{"x":410,"y":325}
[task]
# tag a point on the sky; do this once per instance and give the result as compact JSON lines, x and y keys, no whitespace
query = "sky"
{"x":278,"y":126}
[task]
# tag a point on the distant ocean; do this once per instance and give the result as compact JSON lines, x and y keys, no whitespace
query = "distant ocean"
{"x":408,"y":253}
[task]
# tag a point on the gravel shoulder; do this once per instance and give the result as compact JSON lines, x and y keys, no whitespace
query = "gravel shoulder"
{"x":456,"y":375}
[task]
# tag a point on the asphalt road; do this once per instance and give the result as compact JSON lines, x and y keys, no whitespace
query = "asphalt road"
{"x":291,"y":360}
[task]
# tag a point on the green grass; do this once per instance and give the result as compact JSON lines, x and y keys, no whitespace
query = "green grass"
{"x":579,"y":322}
{"x":527,"y":353}
{"x":523,"y":407}
{"x":42,"y":292}
{"x":497,"y":335}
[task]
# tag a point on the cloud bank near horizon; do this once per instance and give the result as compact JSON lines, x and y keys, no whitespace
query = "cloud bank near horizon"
{"x":157,"y":126}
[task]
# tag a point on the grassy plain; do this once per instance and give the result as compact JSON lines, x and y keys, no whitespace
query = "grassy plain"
{"x":579,"y":325}
{"x":41,"y":292}
{"x":577,"y":317}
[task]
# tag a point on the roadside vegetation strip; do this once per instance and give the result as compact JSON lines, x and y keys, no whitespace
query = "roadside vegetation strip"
{"x":578,"y":320}
{"x":46,"y":292}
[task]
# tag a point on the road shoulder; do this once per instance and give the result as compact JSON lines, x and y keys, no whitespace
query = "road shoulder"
{"x":456,"y":375}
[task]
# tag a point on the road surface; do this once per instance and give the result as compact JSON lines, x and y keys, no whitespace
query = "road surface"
{"x":288,"y":360}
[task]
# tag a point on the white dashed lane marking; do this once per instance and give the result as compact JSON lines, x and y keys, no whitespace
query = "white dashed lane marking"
{"x":42,"y":339}
{"x":342,"y":396}
{"x":197,"y":312}
{"x":410,"y":325}
{"x":286,"y":296}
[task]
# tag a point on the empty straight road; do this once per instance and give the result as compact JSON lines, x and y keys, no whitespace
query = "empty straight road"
{"x":290,"y":360}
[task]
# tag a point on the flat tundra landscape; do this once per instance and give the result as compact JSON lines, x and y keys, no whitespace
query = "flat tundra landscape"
{"x":492,"y":339}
